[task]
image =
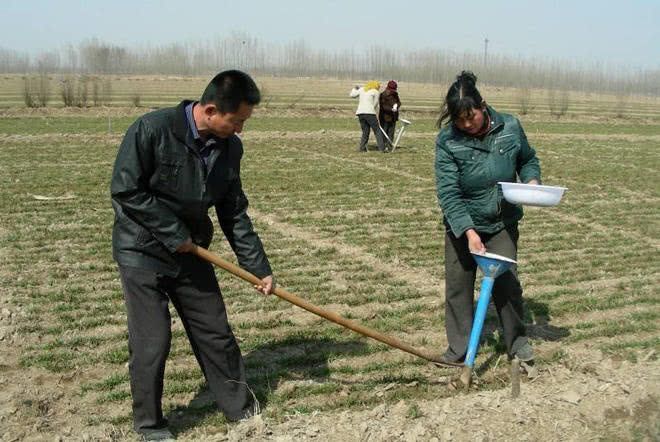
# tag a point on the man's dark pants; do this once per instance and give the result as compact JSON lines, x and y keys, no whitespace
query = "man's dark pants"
{"x":197,"y":299}
{"x":369,"y":122}
{"x":460,"y":274}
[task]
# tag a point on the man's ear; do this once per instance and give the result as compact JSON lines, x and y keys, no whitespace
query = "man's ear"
{"x":210,"y":109}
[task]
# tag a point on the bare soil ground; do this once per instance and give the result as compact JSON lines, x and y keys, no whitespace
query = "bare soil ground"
{"x":587,"y":397}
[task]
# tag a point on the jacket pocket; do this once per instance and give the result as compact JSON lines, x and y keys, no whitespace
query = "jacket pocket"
{"x":464,"y":155}
{"x":471,"y":170}
{"x":507,"y":144}
{"x":131,"y":232}
{"x":143,"y":236}
{"x":485,"y":207}
{"x":169,"y":173}
{"x":467,"y":160}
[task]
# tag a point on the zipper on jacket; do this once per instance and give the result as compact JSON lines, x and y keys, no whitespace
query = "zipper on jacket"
{"x":204,"y":169}
{"x":204,"y":176}
{"x":203,"y":164}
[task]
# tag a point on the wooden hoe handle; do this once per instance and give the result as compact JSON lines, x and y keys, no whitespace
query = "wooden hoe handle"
{"x":330,"y":316}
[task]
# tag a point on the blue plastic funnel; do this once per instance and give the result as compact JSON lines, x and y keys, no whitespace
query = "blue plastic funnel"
{"x":492,"y":266}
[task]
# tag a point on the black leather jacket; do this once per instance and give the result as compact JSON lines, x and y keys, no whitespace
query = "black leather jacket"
{"x":162,"y":191}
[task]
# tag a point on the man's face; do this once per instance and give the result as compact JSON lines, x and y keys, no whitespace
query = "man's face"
{"x":226,"y":124}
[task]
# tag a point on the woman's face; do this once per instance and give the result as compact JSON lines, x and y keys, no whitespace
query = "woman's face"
{"x":471,"y":122}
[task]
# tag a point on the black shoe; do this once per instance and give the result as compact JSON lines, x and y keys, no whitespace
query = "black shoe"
{"x":241,"y":417}
{"x":446,"y":359}
{"x":158,"y":434}
{"x":525,"y":353}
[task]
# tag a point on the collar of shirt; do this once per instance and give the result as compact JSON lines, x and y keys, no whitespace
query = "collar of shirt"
{"x":203,"y":146}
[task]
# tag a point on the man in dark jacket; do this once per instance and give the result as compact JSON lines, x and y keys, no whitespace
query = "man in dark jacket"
{"x":172,"y":166}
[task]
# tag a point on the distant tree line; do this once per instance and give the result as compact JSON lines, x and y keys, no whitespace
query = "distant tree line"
{"x":297,"y":58}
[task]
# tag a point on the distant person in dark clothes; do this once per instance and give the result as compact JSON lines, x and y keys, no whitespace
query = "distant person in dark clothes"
{"x":389,"y":109}
{"x":475,"y":149}
{"x":367,"y":112}
{"x":173,"y":165}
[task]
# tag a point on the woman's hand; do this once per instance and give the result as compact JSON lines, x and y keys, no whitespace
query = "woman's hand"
{"x":533,"y":181}
{"x":474,"y":242}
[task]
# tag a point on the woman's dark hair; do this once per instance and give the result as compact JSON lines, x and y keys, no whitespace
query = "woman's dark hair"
{"x":229,"y":89}
{"x":462,"y":97}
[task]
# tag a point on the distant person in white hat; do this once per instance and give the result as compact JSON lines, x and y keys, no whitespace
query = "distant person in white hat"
{"x":367,"y":112}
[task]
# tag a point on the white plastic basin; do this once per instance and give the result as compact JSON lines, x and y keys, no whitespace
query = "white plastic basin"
{"x":532,"y":194}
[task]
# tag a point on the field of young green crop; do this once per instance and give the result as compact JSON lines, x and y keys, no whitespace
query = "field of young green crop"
{"x":359,"y":234}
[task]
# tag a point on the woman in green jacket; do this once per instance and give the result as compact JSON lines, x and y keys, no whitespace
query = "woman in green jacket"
{"x":475,"y":149}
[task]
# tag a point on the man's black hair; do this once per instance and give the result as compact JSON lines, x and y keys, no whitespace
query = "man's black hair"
{"x":229,"y":89}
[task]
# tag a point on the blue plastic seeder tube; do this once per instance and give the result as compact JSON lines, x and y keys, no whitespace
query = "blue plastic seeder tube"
{"x":479,"y":318}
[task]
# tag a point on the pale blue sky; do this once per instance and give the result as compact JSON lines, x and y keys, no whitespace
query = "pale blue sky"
{"x":624,"y":33}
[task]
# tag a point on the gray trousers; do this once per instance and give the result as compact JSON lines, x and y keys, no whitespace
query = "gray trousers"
{"x":198,"y":302}
{"x":460,"y":274}
{"x":370,"y":122}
